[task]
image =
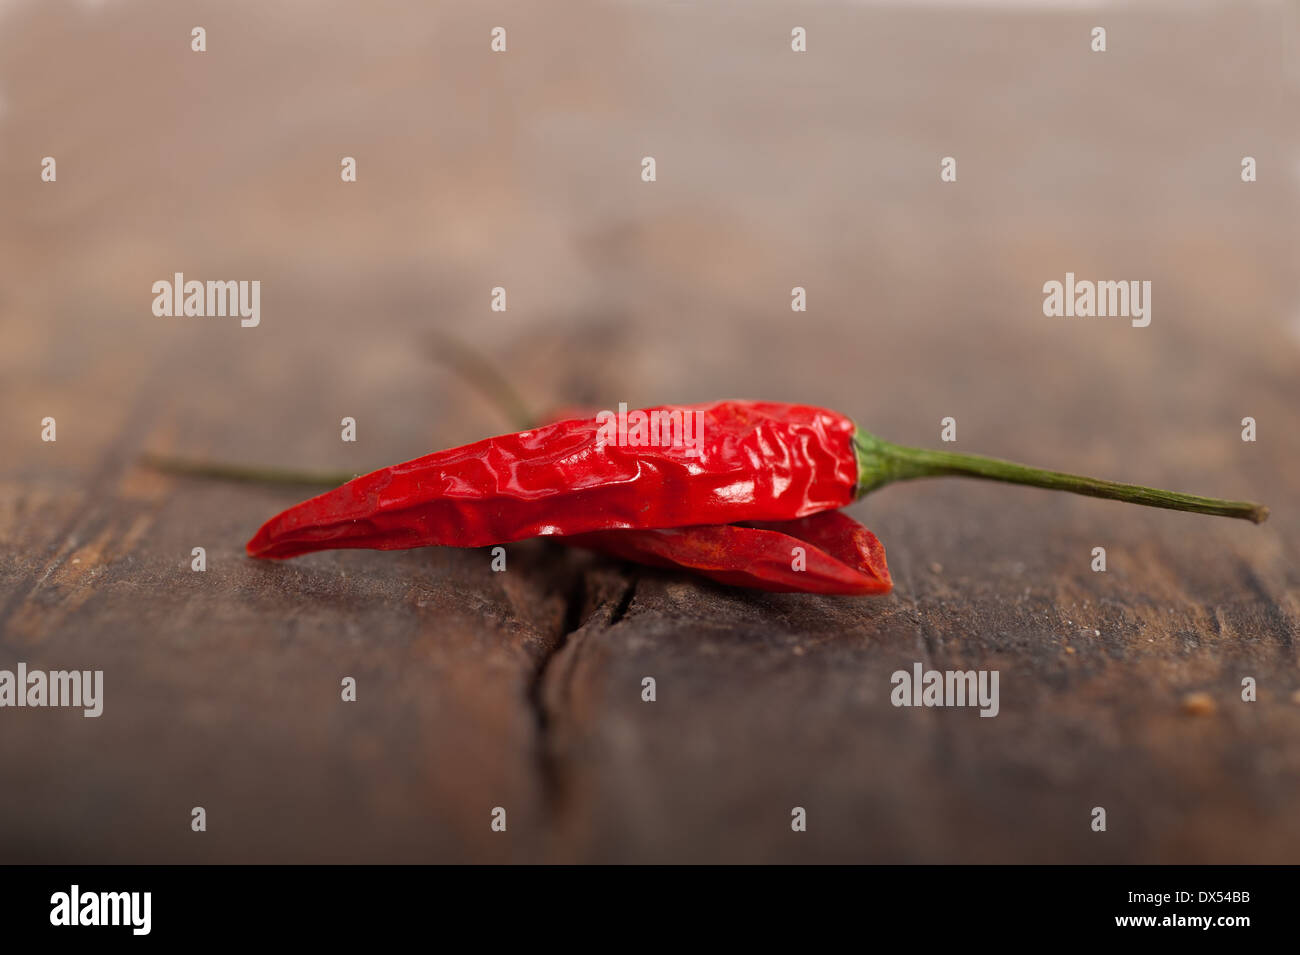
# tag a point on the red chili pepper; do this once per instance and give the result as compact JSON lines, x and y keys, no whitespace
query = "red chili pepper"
{"x":758,"y":461}
{"x":840,"y":556}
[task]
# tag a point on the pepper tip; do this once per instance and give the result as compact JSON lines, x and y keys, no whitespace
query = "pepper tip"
{"x":258,"y":544}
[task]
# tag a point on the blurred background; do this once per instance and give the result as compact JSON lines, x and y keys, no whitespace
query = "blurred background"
{"x":523,"y":170}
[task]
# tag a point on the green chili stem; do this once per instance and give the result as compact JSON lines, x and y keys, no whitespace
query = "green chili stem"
{"x":880,"y":463}
{"x":192,"y":467}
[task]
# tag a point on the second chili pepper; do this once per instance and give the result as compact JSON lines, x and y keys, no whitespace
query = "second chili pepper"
{"x":839,"y":555}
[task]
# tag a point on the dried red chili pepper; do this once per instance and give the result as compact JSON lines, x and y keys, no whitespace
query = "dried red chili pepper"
{"x":840,"y":556}
{"x":758,"y":461}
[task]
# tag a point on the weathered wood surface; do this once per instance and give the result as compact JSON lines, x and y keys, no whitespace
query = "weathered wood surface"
{"x":523,"y":689}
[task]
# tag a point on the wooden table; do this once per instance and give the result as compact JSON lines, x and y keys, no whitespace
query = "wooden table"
{"x":523,"y":689}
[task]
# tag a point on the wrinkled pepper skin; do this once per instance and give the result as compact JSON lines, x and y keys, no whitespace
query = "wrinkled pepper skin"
{"x":842,"y":557}
{"x":758,"y":461}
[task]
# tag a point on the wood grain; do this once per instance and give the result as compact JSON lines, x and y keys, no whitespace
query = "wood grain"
{"x":522,"y":690}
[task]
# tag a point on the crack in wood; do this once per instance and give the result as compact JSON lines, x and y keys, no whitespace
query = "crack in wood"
{"x":582,"y":612}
